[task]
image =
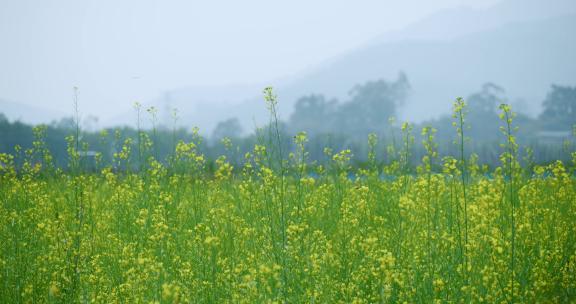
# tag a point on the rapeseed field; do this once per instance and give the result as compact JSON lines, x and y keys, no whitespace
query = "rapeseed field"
{"x":279,"y":228}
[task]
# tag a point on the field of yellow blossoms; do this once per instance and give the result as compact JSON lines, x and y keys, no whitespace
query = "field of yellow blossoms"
{"x":286,"y":230}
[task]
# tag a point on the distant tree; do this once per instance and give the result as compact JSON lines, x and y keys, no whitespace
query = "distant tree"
{"x":482,"y":121}
{"x":482,"y":115}
{"x":313,"y":113}
{"x":66,"y":123}
{"x":559,"y":108}
{"x":487,"y":100}
{"x":372,"y":103}
{"x":90,"y":123}
{"x":228,"y":128}
{"x":14,"y":133}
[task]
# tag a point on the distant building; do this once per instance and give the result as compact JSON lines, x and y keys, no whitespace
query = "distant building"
{"x":88,"y":158}
{"x":552,"y":137}
{"x":88,"y":154}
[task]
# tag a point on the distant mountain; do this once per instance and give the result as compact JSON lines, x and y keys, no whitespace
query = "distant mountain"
{"x":521,"y":45}
{"x":452,"y":23}
{"x":525,"y":58}
{"x":28,"y":114}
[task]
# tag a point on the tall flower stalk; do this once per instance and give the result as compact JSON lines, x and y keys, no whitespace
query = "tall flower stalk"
{"x":431,"y":154}
{"x":272,"y":103}
{"x":459,"y":114}
{"x":509,"y":159}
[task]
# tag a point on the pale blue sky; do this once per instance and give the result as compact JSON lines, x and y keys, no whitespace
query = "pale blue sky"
{"x":121,"y":51}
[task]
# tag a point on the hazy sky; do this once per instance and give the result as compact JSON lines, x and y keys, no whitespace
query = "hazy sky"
{"x":117,"y":52}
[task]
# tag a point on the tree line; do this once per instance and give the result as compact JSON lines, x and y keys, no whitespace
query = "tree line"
{"x":330,"y":123}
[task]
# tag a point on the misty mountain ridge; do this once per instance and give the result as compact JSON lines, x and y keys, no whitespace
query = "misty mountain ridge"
{"x":522,"y":45}
{"x":28,"y":113}
{"x":452,"y":23}
{"x":524,"y":57}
